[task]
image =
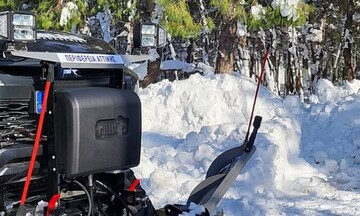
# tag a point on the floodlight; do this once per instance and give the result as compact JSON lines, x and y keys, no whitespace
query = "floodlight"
{"x":161,"y":37}
{"x":17,"y":26}
{"x":149,"y":29}
{"x":149,"y":35}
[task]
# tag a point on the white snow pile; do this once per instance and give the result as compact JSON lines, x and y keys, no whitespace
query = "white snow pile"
{"x":307,"y":160}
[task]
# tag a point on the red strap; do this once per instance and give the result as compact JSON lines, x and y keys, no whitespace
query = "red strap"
{"x":36,"y":145}
{"x":257,"y":90}
{"x":134,"y":184}
{"x":52,"y":204}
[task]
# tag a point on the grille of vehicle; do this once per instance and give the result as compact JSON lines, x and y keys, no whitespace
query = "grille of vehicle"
{"x":16,"y":125}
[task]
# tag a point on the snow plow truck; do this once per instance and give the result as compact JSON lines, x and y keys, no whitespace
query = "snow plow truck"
{"x":70,"y":129}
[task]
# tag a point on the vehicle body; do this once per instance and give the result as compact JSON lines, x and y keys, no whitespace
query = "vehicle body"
{"x":92,"y":126}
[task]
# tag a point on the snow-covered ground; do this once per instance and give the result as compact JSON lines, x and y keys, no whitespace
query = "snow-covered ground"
{"x":307,"y":160}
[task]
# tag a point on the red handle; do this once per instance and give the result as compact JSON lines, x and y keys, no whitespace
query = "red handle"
{"x":36,"y":145}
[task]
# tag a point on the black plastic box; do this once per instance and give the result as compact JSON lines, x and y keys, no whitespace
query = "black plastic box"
{"x":96,"y":129}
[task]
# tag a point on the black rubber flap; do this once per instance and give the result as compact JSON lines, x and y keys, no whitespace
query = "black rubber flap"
{"x":96,"y":130}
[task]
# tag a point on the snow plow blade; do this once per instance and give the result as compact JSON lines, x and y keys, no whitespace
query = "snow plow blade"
{"x":223,"y":172}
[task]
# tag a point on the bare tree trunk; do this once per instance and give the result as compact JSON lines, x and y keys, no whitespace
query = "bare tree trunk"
{"x":297,"y":63}
{"x":252,"y":58}
{"x":289,"y":83}
{"x":277,"y":60}
{"x":190,"y":52}
{"x":320,"y":65}
{"x":153,"y":71}
{"x":298,"y":85}
{"x":227,"y":45}
{"x":298,"y":79}
{"x":348,"y":66}
{"x":334,"y":69}
{"x":273,"y":59}
{"x":323,"y":58}
{"x":205,"y":33}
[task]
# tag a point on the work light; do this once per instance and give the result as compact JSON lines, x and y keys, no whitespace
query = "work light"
{"x":17,"y":26}
{"x":149,"y":35}
{"x":161,"y":37}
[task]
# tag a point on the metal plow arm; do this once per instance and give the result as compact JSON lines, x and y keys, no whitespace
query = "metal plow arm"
{"x":223,"y":172}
